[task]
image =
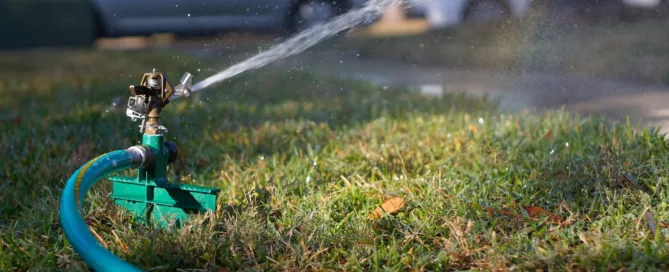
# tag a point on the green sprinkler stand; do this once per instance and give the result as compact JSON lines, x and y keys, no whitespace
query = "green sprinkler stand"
{"x":149,"y":195}
{"x":166,"y":205}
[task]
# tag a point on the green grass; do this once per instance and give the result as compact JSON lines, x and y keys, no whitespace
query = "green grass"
{"x":303,"y":161}
{"x":630,"y":51}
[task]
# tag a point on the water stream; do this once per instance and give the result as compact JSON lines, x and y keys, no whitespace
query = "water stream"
{"x":301,"y":41}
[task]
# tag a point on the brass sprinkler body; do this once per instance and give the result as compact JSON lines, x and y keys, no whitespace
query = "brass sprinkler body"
{"x":150,"y":96}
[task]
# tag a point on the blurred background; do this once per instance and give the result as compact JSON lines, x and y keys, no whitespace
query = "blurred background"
{"x":581,"y":54}
{"x":77,"y":23}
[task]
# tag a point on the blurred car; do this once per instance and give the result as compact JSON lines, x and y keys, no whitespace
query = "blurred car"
{"x":441,"y":13}
{"x":195,"y":17}
{"x":643,"y":3}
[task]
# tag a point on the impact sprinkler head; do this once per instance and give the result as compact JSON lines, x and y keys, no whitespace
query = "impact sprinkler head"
{"x":150,"y":96}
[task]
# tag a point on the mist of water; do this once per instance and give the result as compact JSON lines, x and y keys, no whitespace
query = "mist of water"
{"x":301,"y":41}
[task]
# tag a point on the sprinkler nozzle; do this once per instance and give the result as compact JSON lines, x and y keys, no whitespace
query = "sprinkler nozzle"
{"x":185,"y":85}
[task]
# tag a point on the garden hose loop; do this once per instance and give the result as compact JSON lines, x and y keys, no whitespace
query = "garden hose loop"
{"x":76,"y":230}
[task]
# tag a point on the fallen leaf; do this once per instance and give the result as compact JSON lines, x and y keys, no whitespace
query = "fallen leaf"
{"x":630,"y":180}
{"x":581,"y":236}
{"x":390,"y":206}
{"x":651,"y":222}
{"x":664,"y":225}
{"x":473,"y":128}
{"x":549,"y":134}
{"x":539,"y":213}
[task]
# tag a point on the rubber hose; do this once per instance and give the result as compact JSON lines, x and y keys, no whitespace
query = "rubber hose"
{"x":76,"y":231}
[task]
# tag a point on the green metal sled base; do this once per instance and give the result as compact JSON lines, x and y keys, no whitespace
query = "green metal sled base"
{"x":166,"y":205}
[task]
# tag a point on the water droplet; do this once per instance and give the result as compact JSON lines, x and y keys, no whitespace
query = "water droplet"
{"x":308,"y":179}
{"x":566,"y":144}
{"x":552,"y":151}
{"x":481,"y":121}
{"x":188,"y":14}
{"x":262,"y":158}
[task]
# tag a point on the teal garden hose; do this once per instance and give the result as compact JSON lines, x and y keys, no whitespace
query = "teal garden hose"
{"x":71,"y":202}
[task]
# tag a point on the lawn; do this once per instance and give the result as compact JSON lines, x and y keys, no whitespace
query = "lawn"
{"x":305,"y":162}
{"x":630,"y":51}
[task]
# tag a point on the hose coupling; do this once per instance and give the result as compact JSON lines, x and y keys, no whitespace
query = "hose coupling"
{"x":141,"y":156}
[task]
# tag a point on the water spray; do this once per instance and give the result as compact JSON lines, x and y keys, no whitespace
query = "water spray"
{"x":301,"y":41}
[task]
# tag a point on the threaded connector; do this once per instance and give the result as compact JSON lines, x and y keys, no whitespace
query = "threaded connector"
{"x":141,"y":156}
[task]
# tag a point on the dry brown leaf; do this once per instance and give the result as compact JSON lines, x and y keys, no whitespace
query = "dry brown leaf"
{"x":539,"y":213}
{"x":581,"y":236}
{"x":390,"y":206}
{"x":549,"y":135}
{"x":651,"y":222}
{"x":630,"y":181}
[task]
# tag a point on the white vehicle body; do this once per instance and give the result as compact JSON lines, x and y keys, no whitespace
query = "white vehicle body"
{"x":643,"y":3}
{"x":441,"y":13}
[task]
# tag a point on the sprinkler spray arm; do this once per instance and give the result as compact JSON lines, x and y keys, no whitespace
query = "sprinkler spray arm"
{"x":150,"y":96}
